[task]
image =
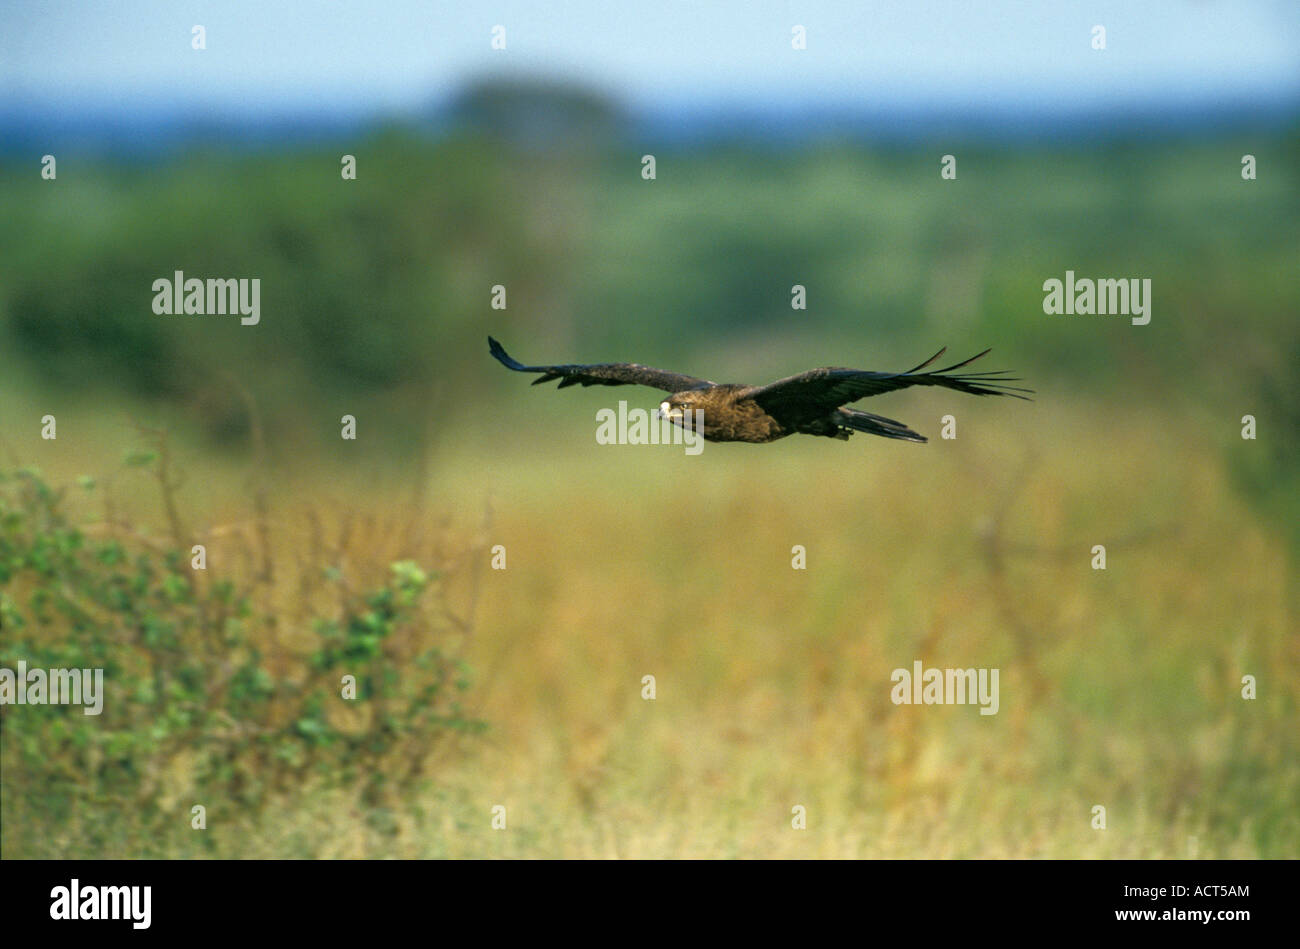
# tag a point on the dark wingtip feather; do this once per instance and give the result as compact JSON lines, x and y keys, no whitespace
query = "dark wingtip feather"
{"x":503,"y":357}
{"x":992,"y":382}
{"x":985,"y":388}
{"x":928,"y":361}
{"x":966,"y":362}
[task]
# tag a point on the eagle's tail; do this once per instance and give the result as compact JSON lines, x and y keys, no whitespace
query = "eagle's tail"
{"x":876,"y":425}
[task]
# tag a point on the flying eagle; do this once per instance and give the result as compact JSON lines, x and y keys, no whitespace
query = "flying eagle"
{"x":810,"y":403}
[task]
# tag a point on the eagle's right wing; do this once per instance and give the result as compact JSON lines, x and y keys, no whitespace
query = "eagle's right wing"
{"x":602,"y":374}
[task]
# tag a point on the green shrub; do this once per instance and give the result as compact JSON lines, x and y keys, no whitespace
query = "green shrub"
{"x":194,"y":711}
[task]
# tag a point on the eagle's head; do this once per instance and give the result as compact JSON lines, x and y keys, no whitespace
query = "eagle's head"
{"x":684,"y":410}
{"x":675,"y":408}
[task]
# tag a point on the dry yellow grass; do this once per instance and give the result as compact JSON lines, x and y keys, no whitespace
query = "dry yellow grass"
{"x":1119,"y":688}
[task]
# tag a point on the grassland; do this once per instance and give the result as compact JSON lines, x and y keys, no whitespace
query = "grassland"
{"x":1119,"y":688}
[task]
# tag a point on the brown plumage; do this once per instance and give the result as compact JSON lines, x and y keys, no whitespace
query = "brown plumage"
{"x":810,"y":403}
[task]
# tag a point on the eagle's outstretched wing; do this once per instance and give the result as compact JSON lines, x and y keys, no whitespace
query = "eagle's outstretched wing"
{"x":602,"y":374}
{"x":816,"y":391}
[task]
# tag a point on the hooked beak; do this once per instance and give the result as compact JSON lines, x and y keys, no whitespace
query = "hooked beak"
{"x":670,"y":412}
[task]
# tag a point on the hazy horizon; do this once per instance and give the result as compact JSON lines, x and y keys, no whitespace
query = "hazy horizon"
{"x":78,"y":61}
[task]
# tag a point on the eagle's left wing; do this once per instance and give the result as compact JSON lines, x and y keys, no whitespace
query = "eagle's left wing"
{"x":602,"y":374}
{"x":819,"y":390}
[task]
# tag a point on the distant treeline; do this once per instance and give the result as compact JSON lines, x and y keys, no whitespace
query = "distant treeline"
{"x":378,"y":290}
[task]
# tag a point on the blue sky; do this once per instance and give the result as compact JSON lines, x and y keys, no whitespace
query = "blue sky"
{"x":268,"y":56}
